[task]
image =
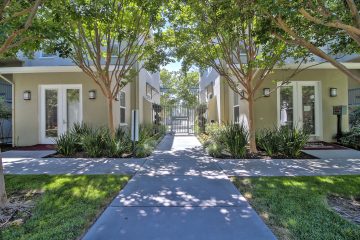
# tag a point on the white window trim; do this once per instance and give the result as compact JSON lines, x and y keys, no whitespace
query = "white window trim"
{"x":297,"y":101}
{"x":122,"y":107}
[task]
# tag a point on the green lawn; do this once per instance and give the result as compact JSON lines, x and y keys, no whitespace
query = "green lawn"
{"x":296,"y":207}
{"x":67,"y":207}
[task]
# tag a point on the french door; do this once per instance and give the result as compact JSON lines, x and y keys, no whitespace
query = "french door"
{"x":299,"y":106}
{"x":60,"y":109}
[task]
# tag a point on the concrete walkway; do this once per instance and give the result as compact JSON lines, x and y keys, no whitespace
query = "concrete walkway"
{"x":179,"y":193}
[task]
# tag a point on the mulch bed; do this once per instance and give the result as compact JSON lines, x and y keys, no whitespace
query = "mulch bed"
{"x":263,"y":155}
{"x":83,"y":155}
{"x":38,"y":147}
{"x":323,"y":146}
{"x":348,"y":208}
{"x":19,"y":208}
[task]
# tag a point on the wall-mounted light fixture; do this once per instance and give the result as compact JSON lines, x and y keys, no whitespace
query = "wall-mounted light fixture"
{"x":92,"y":94}
{"x":117,"y":97}
{"x":333,"y":92}
{"x":242,"y":94}
{"x":27,"y":95}
{"x":266,"y":92}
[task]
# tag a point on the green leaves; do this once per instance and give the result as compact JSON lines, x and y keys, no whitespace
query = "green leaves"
{"x":181,"y":87}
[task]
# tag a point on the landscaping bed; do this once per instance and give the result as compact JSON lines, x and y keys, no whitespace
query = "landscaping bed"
{"x":55,"y":207}
{"x":83,"y":141}
{"x":306,"y":207}
{"x":231,"y":141}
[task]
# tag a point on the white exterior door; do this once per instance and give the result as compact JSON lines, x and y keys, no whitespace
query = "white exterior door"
{"x":60,"y":109}
{"x":299,"y":105}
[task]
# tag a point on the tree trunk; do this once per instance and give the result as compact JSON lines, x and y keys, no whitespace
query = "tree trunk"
{"x":252,"y":129}
{"x":3,"y":197}
{"x":111,"y":115}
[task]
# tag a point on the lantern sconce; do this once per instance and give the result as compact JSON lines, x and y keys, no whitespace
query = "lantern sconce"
{"x":117,"y":97}
{"x":92,"y":94}
{"x":333,"y":92}
{"x":242,"y":94}
{"x":266,"y":92}
{"x":27,"y":95}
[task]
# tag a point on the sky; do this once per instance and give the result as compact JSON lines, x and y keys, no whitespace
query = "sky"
{"x":175,"y":66}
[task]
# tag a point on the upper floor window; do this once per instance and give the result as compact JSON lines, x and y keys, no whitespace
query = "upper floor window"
{"x":210,"y":91}
{"x":46,"y":55}
{"x":149,"y":92}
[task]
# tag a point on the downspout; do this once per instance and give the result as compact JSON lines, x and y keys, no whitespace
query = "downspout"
{"x":12,"y":106}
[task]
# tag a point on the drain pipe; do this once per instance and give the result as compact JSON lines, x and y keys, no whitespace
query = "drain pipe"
{"x":12,"y":106}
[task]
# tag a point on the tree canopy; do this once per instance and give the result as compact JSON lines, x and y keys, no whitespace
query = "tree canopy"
{"x":179,"y":87}
{"x":328,"y":29}
{"x":20,"y":26}
{"x":230,"y":37}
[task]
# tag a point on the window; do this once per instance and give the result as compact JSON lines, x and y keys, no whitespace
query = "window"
{"x":46,"y":55}
{"x":236,"y":108}
{"x":149,"y":92}
{"x":122,"y":101}
{"x":210,"y":91}
{"x":115,"y":51}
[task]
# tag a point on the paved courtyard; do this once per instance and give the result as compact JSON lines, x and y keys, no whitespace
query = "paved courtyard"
{"x":179,"y":193}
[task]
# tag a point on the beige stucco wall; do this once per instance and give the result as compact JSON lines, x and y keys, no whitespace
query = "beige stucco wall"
{"x":352,"y":83}
{"x":27,"y":113}
{"x":266,"y":107}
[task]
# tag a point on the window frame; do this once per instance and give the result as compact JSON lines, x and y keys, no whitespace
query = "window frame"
{"x":149,"y":87}
{"x":122,"y":107}
{"x":236,"y":105}
{"x":209,"y":89}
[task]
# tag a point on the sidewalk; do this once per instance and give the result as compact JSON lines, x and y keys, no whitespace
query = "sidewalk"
{"x":179,"y":193}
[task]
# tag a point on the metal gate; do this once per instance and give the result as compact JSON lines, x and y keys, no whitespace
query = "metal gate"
{"x":177,"y":119}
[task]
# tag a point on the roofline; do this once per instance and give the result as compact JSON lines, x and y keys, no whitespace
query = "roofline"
{"x":42,"y":69}
{"x":314,"y":65}
{"x":63,"y":69}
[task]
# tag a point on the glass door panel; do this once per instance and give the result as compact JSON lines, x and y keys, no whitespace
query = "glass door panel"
{"x":308,"y":109}
{"x":73,"y":114}
{"x":61,"y":108}
{"x":287,"y":106}
{"x":51,"y":113}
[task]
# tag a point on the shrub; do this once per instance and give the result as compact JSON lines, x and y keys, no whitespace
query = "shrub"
{"x":235,"y":138}
{"x":268,"y":141}
{"x":97,"y":142}
{"x":144,"y":149}
{"x":352,"y":138}
{"x":282,"y":141}
{"x":146,"y":131}
{"x":292,"y":141}
{"x":215,"y":150}
{"x":66,"y":144}
{"x":215,"y":131}
{"x":354,"y":117}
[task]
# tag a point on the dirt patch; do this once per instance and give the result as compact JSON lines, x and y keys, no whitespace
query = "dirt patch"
{"x":19,"y":208}
{"x":348,"y":208}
